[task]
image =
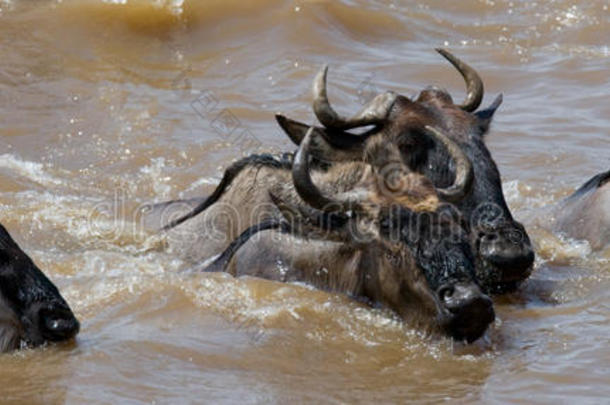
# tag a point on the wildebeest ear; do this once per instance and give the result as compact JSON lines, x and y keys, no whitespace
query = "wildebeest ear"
{"x":326,"y":145}
{"x":294,"y":129}
{"x":485,"y":116}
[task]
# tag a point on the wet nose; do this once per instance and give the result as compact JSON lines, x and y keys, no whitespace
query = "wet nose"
{"x":469,"y":311}
{"x":508,"y":251}
{"x":58,"y":324}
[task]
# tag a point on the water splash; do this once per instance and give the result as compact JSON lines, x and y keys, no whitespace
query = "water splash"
{"x":34,"y":171}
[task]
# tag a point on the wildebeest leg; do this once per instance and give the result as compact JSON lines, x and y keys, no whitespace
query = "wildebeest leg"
{"x":284,"y":162}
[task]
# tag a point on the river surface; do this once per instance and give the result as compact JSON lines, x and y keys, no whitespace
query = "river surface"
{"x":108,"y":105}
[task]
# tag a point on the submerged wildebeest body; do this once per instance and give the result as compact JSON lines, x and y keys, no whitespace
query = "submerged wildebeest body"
{"x":365,"y":232}
{"x":586,"y":213}
{"x":504,"y":255}
{"x":32,"y":311}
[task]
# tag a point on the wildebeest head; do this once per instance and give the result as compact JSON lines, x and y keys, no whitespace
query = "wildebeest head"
{"x":32,"y":311}
{"x":416,"y":254}
{"x":503,"y":249}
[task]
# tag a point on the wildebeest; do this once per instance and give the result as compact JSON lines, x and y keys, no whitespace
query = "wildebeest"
{"x":32,"y":311}
{"x":504,"y":254}
{"x":370,"y":228}
{"x":586,"y":213}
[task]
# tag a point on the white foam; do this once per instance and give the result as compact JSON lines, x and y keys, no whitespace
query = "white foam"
{"x":31,"y":170}
{"x":517,"y":199}
{"x":158,"y":181}
{"x":90,"y":222}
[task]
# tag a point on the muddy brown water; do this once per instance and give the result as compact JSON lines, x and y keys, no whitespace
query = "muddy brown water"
{"x":107,"y":105}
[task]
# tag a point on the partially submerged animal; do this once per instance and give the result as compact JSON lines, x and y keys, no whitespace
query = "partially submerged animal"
{"x":503,"y":251}
{"x":32,"y":311}
{"x":586,"y":213}
{"x":353,"y":228}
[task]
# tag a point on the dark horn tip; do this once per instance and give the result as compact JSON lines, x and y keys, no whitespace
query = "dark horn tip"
{"x":443,"y":52}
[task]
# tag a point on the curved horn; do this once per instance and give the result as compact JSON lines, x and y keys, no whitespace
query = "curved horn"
{"x":373,"y":113}
{"x":474,"y":84}
{"x":463,"y":168}
{"x":305,"y":187}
